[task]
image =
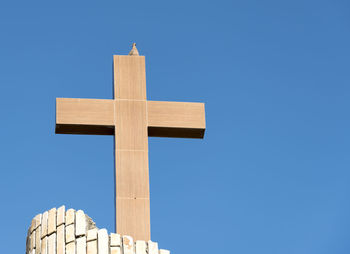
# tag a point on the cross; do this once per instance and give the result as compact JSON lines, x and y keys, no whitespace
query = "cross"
{"x":131,"y":118}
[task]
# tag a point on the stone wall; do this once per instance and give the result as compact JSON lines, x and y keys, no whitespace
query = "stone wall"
{"x":73,"y":232}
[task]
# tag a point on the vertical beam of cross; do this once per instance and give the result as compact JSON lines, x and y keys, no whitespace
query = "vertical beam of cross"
{"x":131,"y":146}
{"x":131,"y":119}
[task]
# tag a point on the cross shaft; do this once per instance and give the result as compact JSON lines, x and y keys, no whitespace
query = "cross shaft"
{"x":131,"y":119}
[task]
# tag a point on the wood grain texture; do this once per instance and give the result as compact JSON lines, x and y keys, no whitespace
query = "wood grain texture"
{"x":131,"y":125}
{"x":133,"y":215}
{"x":129,"y":77}
{"x":84,"y":116}
{"x":176,"y":119}
{"x":132,"y":174}
{"x":131,"y":147}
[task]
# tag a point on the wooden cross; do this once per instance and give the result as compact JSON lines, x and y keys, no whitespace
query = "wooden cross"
{"x":131,"y":119}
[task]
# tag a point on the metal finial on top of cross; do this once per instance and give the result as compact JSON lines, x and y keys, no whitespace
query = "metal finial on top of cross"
{"x":134,"y":51}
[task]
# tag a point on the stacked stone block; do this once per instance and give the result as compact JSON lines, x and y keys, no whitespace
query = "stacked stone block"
{"x":58,"y":231}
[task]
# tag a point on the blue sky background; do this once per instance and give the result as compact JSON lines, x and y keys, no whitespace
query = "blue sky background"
{"x":272,"y":174}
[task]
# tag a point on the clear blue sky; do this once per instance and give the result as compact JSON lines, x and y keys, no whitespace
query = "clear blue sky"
{"x":272,"y":174}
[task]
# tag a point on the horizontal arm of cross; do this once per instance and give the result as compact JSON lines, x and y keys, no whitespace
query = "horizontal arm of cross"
{"x":96,"y":116}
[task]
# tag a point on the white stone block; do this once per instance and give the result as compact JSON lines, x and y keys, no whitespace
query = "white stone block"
{"x":70,"y":248}
{"x":44,"y":245}
{"x":164,"y":251}
{"x":102,"y":241}
{"x":38,"y":240}
{"x":32,"y":240}
{"x":152,"y":247}
{"x":32,"y":225}
{"x":70,"y":234}
{"x":80,"y":223}
{"x":51,"y":222}
{"x":91,"y":247}
{"x":115,"y":250}
{"x":51,"y":246}
{"x":70,"y":216}
{"x":28,"y":242}
{"x":141,"y":247}
{"x":61,"y":215}
{"x":37,"y":220}
{"x":61,"y":245}
{"x":91,"y":235}
{"x":81,"y":245}
{"x":44,"y":224}
{"x":115,"y":240}
{"x":128,"y":245}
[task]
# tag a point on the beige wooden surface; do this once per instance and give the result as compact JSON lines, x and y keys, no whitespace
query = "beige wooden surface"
{"x":134,"y":214}
{"x":85,"y":111}
{"x":131,"y":147}
{"x":176,"y":119}
{"x":84,"y":116}
{"x":131,"y":118}
{"x":164,"y":119}
{"x":129,"y":77}
{"x":176,"y":114}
